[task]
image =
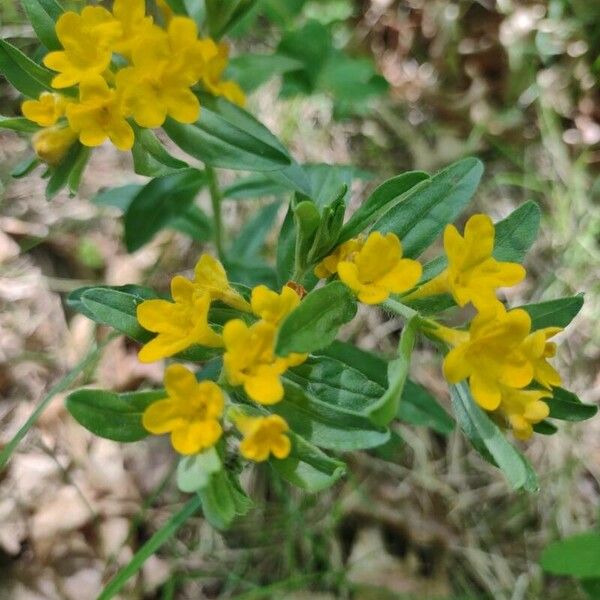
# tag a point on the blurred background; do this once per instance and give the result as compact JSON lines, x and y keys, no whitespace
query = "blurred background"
{"x":413,"y":84}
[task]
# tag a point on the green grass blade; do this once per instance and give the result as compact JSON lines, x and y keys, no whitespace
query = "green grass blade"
{"x":149,"y":548}
{"x":59,"y":387}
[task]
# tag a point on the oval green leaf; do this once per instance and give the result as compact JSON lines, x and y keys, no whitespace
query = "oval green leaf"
{"x":116,"y":417}
{"x":315,"y":323}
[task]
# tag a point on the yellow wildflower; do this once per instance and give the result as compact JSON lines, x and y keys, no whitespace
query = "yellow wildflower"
{"x":271,"y":306}
{"x":190,"y":412}
{"x":99,"y":115}
{"x":45,"y":111}
{"x":87,"y":40}
{"x":131,"y":14}
{"x":522,"y":409}
{"x":211,"y":277}
{"x":249,"y":360}
{"x":53,"y":143}
{"x":212,"y":71}
{"x":538,"y":349}
{"x":263,"y":436}
{"x":472,"y":275}
{"x":179,"y":324}
{"x":164,"y":68}
{"x":377,"y":269}
{"x":490,"y":354}
{"x":328,"y":266}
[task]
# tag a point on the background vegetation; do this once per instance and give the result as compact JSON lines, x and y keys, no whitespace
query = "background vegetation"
{"x":515,"y":83}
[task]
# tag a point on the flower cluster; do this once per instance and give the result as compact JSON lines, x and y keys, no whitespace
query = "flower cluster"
{"x":124,"y":66}
{"x":504,"y":362}
{"x":499,"y":356}
{"x":192,"y":409}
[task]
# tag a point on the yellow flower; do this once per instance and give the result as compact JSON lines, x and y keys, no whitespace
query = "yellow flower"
{"x":472,"y":275}
{"x":377,"y":269}
{"x":490,"y":354}
{"x":538,"y":349}
{"x":53,"y":143}
{"x":179,"y":324}
{"x":522,"y":409}
{"x":271,"y":306}
{"x":249,"y":360}
{"x":190,"y":412}
{"x":99,"y":115}
{"x":210,"y":276}
{"x":165,"y":65}
{"x":212,"y":71}
{"x":131,"y":14}
{"x":87,"y":40}
{"x":263,"y":436}
{"x":45,"y":111}
{"x":328,"y":266}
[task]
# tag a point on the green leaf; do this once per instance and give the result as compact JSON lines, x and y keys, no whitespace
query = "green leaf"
{"x":223,"y":500}
{"x":336,"y":383}
{"x":545,"y":428}
{"x":194,"y":472}
{"x":307,"y":219}
{"x":311,"y":55}
{"x":158,"y":204}
{"x":420,"y":217}
{"x":75,"y":298}
{"x":119,"y":197}
{"x":554,"y":313}
{"x":68,"y":170}
{"x":77,"y":169}
{"x":386,"y":408}
{"x":326,"y":425}
{"x":230,"y":139}
{"x":116,"y":417}
{"x":251,"y":239}
{"x":150,"y":158}
{"x":117,"y":309}
{"x":577,"y":556}
{"x":42,"y":15}
{"x":222,"y":15}
{"x":566,"y":406}
{"x":372,"y":366}
{"x":418,"y":407}
{"x":387,"y":195}
{"x":328,"y":231}
{"x":20,"y":124}
{"x":253,"y":187}
{"x":489,"y":441}
{"x":250,"y":71}
{"x":26,"y":76}
{"x":516,"y":234}
{"x":24,"y":167}
{"x":308,"y":467}
{"x":315,"y":322}
{"x":591,"y":587}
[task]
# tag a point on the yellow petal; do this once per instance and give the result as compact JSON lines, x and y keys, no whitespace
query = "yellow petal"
{"x":162,"y":346}
{"x":265,"y":387}
{"x":162,"y":416}
{"x":485,"y":391}
{"x":180,"y":383}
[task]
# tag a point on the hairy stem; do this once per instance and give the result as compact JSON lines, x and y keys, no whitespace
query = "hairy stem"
{"x":216,"y":198}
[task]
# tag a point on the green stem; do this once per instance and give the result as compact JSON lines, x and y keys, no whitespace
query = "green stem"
{"x":149,"y":548}
{"x":62,"y":385}
{"x":400,"y":309}
{"x":216,"y":198}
